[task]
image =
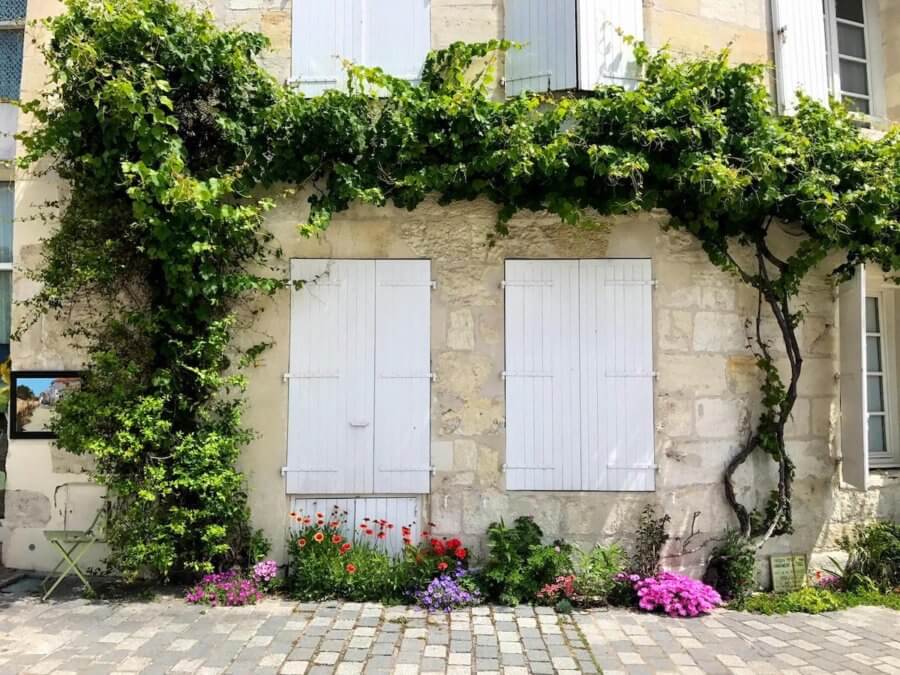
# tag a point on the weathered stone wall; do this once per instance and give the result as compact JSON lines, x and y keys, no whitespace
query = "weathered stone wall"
{"x":705,"y":395}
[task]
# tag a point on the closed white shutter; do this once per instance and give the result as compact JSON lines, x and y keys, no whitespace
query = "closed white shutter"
{"x":330,"y":422}
{"x":547,"y":60}
{"x":395,"y":36}
{"x":402,"y":376}
{"x":800,"y":52}
{"x":603,"y":55}
{"x":854,"y":424}
{"x":542,"y":375}
{"x":617,"y":441}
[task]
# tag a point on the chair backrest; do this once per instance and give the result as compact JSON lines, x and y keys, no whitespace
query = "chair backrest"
{"x":84,"y":507}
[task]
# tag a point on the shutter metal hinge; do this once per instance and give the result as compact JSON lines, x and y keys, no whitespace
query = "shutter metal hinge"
{"x":531,"y":467}
{"x":634,"y":467}
{"x":505,"y":374}
{"x":309,"y":376}
{"x":430,"y":469}
{"x":285,"y":471}
{"x":547,"y":73}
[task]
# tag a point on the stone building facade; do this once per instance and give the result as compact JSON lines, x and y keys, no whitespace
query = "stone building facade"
{"x":704,"y":395}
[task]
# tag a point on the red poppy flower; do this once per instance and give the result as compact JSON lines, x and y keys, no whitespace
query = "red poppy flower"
{"x":453,"y":544}
{"x":351,"y":568}
{"x":370,"y":531}
{"x":381,"y":535}
{"x":334,"y":523}
{"x":319,"y":537}
{"x":336,"y":539}
{"x":407,"y":541}
{"x":438,"y":546}
{"x":346,"y":546}
{"x":424,"y":534}
{"x":442,"y":566}
{"x":301,"y":542}
{"x":319,"y":515}
{"x":363,"y":526}
{"x":319,"y":521}
{"x":307,"y":520}
{"x":405,"y":530}
{"x":461,"y":553}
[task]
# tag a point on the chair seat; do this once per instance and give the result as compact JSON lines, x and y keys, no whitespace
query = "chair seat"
{"x":69,"y":536}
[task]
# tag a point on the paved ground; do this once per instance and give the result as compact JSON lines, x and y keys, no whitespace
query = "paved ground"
{"x":165,"y":635}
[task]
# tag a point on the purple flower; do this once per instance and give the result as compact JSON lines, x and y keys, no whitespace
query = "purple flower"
{"x":445,"y":593}
{"x":265,"y":570}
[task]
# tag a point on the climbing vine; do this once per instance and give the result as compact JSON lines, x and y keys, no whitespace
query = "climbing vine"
{"x":164,"y":128}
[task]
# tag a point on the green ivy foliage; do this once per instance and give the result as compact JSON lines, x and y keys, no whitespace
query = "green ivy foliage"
{"x":163,"y":125}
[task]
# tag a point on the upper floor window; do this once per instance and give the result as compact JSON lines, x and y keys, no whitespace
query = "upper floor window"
{"x":571,"y":44}
{"x":12,"y":38}
{"x":829,"y":48}
{"x":394,"y":36}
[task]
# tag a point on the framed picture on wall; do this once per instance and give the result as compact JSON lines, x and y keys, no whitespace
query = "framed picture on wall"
{"x":33,"y":398}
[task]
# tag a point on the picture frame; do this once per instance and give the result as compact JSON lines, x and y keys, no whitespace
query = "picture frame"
{"x":32,"y":397}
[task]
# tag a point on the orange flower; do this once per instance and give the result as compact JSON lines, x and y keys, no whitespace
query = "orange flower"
{"x":344,"y":548}
{"x":442,"y":566}
{"x":351,"y":568}
{"x":319,"y":515}
{"x":293,"y":514}
{"x":306,"y":520}
{"x":319,"y":537}
{"x":336,"y":539}
{"x":301,"y":542}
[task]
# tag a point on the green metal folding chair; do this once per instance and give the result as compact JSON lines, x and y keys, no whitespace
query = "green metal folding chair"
{"x":73,"y":544}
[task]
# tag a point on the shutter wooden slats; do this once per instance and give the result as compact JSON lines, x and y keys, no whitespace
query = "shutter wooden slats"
{"x":800,"y":51}
{"x":402,"y":376}
{"x":603,"y":55}
{"x":854,"y":423}
{"x":579,"y":375}
{"x":547,"y":60}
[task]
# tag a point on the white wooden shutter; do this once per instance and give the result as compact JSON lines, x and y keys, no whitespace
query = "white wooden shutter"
{"x":617,"y":441}
{"x":800,"y":51}
{"x":547,"y":60}
{"x":603,"y":55}
{"x":395,"y":36}
{"x":330,"y":421}
{"x":542,"y":375}
{"x":854,"y":423}
{"x":402,"y":376}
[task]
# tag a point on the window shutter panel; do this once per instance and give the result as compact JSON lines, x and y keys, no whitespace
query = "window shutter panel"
{"x":546,"y":30}
{"x":617,"y":433}
{"x":323,"y":32}
{"x":397,"y":36}
{"x":402,"y":376}
{"x":854,"y":423}
{"x":330,"y":425}
{"x":800,"y":51}
{"x":542,"y":381}
{"x":603,"y":55}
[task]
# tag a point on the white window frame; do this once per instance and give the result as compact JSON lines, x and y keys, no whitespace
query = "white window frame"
{"x":873,"y":60}
{"x":885,"y":298}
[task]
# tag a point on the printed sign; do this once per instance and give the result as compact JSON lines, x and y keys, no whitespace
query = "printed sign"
{"x":788,"y":572}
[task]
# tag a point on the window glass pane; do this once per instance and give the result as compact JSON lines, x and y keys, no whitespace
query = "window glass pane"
{"x":6,"y":221}
{"x":877,"y":440}
{"x":851,"y":40}
{"x":875,"y":399}
{"x":873,"y":354}
{"x":854,"y":78}
{"x":11,"y":63}
{"x":859,"y":105}
{"x":12,"y":10}
{"x":852,"y":10}
{"x":873,"y":323}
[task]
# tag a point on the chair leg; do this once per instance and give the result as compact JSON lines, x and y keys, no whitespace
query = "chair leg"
{"x":72,"y":565}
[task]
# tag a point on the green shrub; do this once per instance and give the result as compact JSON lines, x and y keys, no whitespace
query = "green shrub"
{"x":731,"y":567}
{"x":518,"y":564}
{"x":873,"y":557}
{"x":651,"y":537}
{"x":595,"y":572}
{"x":812,"y":600}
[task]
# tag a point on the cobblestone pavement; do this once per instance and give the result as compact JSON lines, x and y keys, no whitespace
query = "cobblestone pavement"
{"x":278,"y":636}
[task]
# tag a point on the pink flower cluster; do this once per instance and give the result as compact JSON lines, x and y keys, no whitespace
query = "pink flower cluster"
{"x":563,"y":587}
{"x":227,"y":589}
{"x":676,"y":595}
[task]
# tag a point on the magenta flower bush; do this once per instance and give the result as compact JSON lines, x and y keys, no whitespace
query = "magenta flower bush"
{"x":675,"y":594}
{"x":226,"y":589}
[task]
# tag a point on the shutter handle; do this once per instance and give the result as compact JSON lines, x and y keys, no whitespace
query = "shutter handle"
{"x":359,"y":423}
{"x":782,"y":34}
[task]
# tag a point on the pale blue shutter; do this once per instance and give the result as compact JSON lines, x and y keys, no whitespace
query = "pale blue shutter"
{"x":603,"y":55}
{"x":402,"y":376}
{"x":617,"y":432}
{"x":547,"y":60}
{"x":800,"y":52}
{"x":542,"y":375}
{"x":854,"y":420}
{"x":330,"y":422}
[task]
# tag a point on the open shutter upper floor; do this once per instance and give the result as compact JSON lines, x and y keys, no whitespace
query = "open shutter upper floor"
{"x":547,"y":60}
{"x":854,"y":425}
{"x":800,"y":51}
{"x":603,"y":55}
{"x":541,"y":371}
{"x":617,"y":442}
{"x":402,"y":376}
{"x":330,"y":420}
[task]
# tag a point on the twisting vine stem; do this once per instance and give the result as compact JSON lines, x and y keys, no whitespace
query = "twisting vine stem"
{"x":163,"y":125}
